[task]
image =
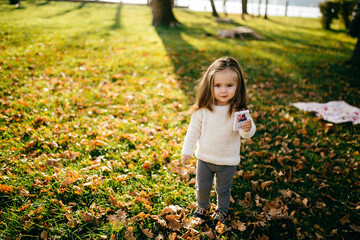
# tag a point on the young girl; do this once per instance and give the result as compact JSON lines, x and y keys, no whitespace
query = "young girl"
{"x":221,"y":93}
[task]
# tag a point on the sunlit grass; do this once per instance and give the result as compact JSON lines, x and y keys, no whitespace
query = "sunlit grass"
{"x":92,"y":93}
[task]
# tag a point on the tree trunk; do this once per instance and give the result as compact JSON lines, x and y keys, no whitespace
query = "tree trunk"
{"x":266,"y":5}
{"x":163,"y":14}
{"x":243,"y":8}
{"x":224,"y":7}
{"x":355,"y":58}
{"x":214,"y":12}
{"x":259,"y":8}
{"x":355,"y":32}
{"x":286,"y":7}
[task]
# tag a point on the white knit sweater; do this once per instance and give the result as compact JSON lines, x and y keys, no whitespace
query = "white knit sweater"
{"x":214,"y":135}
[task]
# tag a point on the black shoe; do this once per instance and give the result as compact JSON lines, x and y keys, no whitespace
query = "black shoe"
{"x":199,"y":212}
{"x":218,"y":216}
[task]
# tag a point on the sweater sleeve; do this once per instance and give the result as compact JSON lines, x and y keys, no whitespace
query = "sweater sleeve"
{"x":250,"y":133}
{"x":193,"y":134}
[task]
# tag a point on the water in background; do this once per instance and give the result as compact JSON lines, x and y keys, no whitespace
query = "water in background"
{"x":296,"y":8}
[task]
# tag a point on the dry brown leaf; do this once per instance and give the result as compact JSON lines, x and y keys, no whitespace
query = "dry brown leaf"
{"x":174,"y":224}
{"x":117,"y":220}
{"x":236,"y":224}
{"x":221,"y":228}
{"x":345,"y":219}
{"x":195,"y":222}
{"x":44,"y":235}
{"x":354,"y":227}
{"x":73,"y":223}
{"x":209,"y":234}
{"x":113,"y":200}
{"x":170,"y":209}
{"x":266,"y":185}
{"x":68,"y":181}
{"x":296,"y":142}
{"x":148,"y":233}
{"x":159,"y":220}
{"x":87,"y":217}
{"x":191,"y":234}
{"x":172,"y":236}
{"x":53,"y":163}
{"x":160,"y":237}
{"x":129,"y":234}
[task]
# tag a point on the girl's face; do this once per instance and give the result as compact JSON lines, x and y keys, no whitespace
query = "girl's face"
{"x":224,"y":87}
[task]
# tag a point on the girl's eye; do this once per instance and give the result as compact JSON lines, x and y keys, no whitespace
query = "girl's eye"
{"x":230,"y":85}
{"x":217,"y":85}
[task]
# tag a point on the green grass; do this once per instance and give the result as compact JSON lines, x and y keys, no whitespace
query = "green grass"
{"x":92,"y":93}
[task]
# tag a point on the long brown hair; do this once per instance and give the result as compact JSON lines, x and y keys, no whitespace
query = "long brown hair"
{"x":205,"y":93}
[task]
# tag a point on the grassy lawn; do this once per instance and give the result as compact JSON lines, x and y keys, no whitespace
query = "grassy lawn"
{"x":94,"y":100}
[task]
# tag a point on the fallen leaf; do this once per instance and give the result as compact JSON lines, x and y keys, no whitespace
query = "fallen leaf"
{"x":236,"y":224}
{"x":129,"y":235}
{"x":87,"y":217}
{"x":354,"y":227}
{"x":174,"y":224}
{"x":170,"y":209}
{"x":148,"y":233}
{"x":160,"y":237}
{"x":345,"y":219}
{"x":44,"y":235}
{"x":53,"y":163}
{"x":68,"y":181}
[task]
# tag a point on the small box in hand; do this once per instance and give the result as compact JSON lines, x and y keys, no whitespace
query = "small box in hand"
{"x":240,"y":118}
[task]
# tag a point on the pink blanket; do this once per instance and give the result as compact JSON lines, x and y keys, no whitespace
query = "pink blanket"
{"x":333,"y":111}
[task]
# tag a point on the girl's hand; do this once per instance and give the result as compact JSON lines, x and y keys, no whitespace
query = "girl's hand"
{"x":247,"y":125}
{"x":185,"y":160}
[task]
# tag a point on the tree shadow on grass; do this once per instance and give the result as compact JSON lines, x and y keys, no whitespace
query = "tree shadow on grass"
{"x":188,"y":61}
{"x":44,"y":3}
{"x":69,"y":10}
{"x":117,"y":23}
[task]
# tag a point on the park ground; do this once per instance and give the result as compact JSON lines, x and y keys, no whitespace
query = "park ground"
{"x":94,"y":105}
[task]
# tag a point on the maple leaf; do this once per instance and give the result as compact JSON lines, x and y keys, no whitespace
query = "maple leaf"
{"x":193,"y":222}
{"x":174,"y":224}
{"x":222,"y":228}
{"x":191,"y":234}
{"x":236,"y":224}
{"x":117,"y":220}
{"x":170,"y":209}
{"x":159,"y":220}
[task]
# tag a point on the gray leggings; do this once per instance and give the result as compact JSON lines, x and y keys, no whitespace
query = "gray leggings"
{"x":224,"y":175}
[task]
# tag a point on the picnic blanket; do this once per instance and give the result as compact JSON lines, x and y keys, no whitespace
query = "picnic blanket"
{"x":333,"y":111}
